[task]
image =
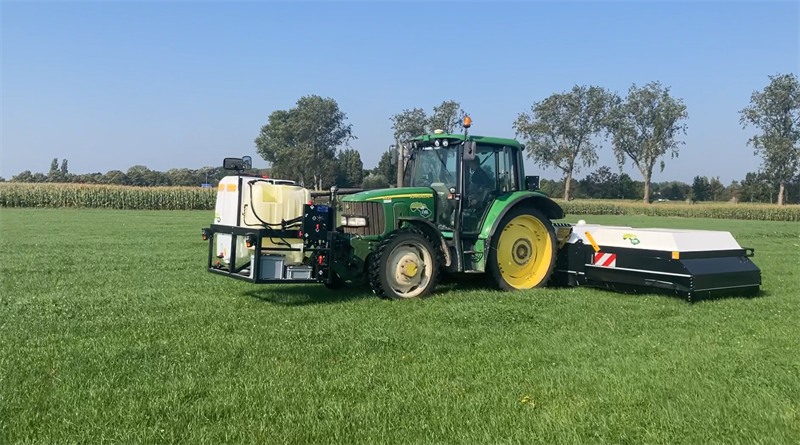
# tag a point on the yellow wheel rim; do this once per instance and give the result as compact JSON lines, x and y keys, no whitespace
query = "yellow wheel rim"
{"x":524,"y":252}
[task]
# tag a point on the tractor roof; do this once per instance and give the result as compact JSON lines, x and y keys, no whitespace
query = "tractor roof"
{"x":471,"y":137}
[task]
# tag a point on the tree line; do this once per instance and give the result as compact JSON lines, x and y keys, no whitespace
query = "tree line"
{"x":142,"y":176}
{"x":309,"y":143}
{"x":138,"y":175}
{"x":603,"y":183}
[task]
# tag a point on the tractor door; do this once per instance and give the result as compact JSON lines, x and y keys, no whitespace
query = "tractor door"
{"x":435,"y":167}
{"x":486,"y":177}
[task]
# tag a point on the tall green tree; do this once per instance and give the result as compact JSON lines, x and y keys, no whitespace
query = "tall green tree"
{"x":700,"y":188}
{"x":558,"y":130}
{"x":776,"y":112}
{"x":447,"y":116}
{"x":54,"y":175}
{"x":301,"y":143}
{"x":675,"y":191}
{"x":375,"y":181}
{"x":385,"y":168}
{"x":601,"y":184}
{"x":182,"y":177}
{"x":116,"y":177}
{"x":414,"y":122}
{"x":349,"y":168}
{"x":716,"y":190}
{"x":138,"y":175}
{"x":26,"y":176}
{"x":409,"y":123}
{"x":643,"y":128}
{"x":754,"y":188}
{"x":629,"y":189}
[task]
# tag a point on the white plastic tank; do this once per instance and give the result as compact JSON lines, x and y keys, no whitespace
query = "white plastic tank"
{"x":264,"y":200}
{"x":272,"y":203}
{"x":225,"y":211}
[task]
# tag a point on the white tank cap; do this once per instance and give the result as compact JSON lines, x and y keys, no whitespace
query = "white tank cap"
{"x":581,"y":222}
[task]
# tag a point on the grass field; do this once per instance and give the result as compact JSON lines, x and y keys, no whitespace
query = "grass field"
{"x":112,"y":331}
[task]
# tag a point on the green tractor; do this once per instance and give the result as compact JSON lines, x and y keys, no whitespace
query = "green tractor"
{"x":466,"y":207}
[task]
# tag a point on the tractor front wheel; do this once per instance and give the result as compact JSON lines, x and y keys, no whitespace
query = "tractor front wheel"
{"x":522,"y":253}
{"x":404,"y":266}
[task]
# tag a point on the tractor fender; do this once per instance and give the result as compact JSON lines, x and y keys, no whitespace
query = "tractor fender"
{"x":429,"y":229}
{"x":546,"y":205}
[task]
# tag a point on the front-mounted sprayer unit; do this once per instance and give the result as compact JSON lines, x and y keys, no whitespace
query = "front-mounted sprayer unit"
{"x":465,"y":206}
{"x":268,"y":230}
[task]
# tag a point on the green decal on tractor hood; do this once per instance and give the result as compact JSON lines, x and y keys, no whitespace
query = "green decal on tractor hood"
{"x":421,"y":208}
{"x":390,"y":193}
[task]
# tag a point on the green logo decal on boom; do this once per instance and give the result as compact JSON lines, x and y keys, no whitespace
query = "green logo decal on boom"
{"x":421,"y":208}
{"x":634,"y":240}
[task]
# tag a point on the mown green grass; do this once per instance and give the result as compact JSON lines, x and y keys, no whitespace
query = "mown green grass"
{"x":111,"y":331}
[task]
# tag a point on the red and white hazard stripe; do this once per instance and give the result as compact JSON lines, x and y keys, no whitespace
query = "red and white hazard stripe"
{"x":605,"y":259}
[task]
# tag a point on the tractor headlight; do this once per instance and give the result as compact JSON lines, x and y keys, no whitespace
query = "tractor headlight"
{"x":354,"y":221}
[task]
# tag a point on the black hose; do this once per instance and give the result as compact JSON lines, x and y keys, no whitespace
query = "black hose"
{"x":283,"y":224}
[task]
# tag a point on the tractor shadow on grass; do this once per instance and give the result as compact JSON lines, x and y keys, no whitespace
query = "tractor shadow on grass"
{"x":304,"y":295}
{"x":313,"y":294}
{"x":697,"y":297}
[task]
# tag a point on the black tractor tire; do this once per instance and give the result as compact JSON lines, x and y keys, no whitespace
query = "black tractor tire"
{"x":381,"y":268}
{"x":525,"y":235}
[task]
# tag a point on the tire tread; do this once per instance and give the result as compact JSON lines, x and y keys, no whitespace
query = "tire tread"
{"x":374,"y":269}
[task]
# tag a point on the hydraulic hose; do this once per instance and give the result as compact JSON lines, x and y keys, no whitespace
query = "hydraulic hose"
{"x":283,"y":224}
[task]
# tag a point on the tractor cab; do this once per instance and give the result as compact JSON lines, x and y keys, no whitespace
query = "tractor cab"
{"x":472,"y":171}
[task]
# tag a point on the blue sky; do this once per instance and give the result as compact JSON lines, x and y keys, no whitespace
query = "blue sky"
{"x":184,"y":84}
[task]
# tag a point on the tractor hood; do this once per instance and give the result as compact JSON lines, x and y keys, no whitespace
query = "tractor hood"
{"x":390,"y":193}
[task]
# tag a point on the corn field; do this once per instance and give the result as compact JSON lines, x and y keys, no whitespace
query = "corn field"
{"x":760,"y":212}
{"x":187,"y":198}
{"x":106,"y":196}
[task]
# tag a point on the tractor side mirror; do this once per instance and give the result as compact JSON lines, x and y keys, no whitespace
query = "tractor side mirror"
{"x":469,"y":149}
{"x":531,"y":183}
{"x":233,"y":164}
{"x":247,"y":163}
{"x":392,"y":155}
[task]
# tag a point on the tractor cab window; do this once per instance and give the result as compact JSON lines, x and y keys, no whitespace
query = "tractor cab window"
{"x":484,"y":179}
{"x":435,"y":167}
{"x":432,"y":167}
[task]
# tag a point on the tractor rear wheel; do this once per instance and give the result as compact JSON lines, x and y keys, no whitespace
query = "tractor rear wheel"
{"x":522,"y":253}
{"x":404,"y":266}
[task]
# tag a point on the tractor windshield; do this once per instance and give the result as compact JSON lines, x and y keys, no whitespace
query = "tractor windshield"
{"x":431,"y":167}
